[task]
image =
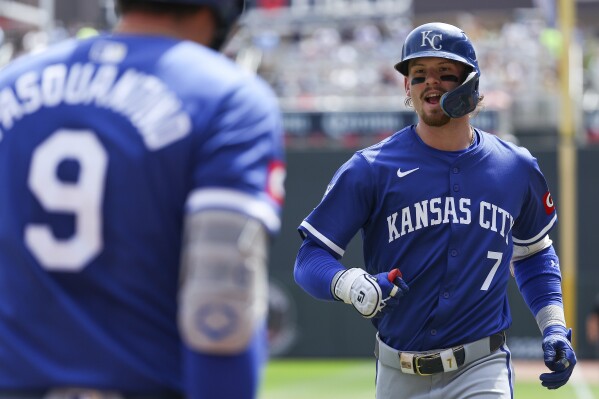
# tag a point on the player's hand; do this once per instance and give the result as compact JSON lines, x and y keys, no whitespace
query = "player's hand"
{"x":559,"y":356}
{"x":393,"y":288}
{"x":370,"y":294}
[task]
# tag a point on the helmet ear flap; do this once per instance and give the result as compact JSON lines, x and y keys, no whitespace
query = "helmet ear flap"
{"x":227,"y":18}
{"x":463,"y":99}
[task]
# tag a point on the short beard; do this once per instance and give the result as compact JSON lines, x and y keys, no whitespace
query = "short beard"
{"x":435,"y":120}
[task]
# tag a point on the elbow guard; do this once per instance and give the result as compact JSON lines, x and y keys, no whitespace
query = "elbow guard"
{"x":223,"y":297}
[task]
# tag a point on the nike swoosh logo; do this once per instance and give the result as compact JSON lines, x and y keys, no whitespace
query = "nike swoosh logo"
{"x":407,"y":172}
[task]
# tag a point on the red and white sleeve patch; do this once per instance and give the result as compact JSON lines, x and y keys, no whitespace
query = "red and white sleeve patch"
{"x":275,"y":186}
{"x":548,"y":203}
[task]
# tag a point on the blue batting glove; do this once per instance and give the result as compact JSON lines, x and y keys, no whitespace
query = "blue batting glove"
{"x":559,"y":356}
{"x":393,"y":287}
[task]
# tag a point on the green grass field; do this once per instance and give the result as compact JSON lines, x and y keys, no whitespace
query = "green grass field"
{"x":354,"y":379}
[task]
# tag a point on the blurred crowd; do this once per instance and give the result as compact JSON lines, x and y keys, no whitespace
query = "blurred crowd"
{"x":355,"y":58}
{"x":316,"y":65}
{"x":14,"y":43}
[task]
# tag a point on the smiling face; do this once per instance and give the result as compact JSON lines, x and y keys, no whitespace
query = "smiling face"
{"x":428,"y":79}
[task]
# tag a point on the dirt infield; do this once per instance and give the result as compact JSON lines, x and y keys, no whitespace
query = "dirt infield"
{"x":531,"y":369}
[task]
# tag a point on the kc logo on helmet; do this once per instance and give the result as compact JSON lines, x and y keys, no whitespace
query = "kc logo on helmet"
{"x":430,"y":39}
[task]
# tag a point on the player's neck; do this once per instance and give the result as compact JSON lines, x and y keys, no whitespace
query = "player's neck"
{"x":454,"y":136}
{"x":197,"y":27}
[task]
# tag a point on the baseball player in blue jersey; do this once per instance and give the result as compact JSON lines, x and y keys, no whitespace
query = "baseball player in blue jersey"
{"x":142,"y":177}
{"x":443,"y":209}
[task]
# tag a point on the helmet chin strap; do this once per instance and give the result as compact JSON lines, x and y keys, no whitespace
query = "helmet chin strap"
{"x":463,"y":99}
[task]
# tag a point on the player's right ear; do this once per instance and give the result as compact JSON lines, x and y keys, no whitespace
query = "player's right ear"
{"x":406,"y":85}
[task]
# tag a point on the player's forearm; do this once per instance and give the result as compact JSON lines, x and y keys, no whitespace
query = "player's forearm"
{"x":223,"y":304}
{"x":233,"y":376}
{"x":314,"y":270}
{"x":539,"y":280}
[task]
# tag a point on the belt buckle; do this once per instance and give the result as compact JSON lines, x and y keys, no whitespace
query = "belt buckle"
{"x":417,"y":365}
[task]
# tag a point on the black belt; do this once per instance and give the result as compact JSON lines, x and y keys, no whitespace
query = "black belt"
{"x":431,"y":363}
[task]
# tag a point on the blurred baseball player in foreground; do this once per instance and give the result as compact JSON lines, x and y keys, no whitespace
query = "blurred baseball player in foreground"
{"x":451,"y":207}
{"x":141,"y":175}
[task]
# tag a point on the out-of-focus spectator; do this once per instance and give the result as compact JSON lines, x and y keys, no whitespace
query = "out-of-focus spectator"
{"x":592,"y":327}
{"x":35,"y":41}
{"x":6,"y":49}
{"x":87,"y":31}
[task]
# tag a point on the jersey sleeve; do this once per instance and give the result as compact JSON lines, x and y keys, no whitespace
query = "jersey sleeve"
{"x":239,"y":164}
{"x":344,"y":209}
{"x":538,"y":214}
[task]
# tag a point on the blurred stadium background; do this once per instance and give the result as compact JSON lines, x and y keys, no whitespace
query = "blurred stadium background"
{"x":331,"y":64}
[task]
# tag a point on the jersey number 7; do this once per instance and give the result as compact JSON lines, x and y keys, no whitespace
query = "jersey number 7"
{"x":492,"y":255}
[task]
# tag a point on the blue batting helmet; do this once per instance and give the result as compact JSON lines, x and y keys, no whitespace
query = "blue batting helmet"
{"x":442,"y":40}
{"x":437,"y":40}
{"x":227,"y":13}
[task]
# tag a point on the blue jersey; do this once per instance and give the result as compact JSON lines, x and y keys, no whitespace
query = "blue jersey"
{"x":447,"y":220}
{"x":105,"y":145}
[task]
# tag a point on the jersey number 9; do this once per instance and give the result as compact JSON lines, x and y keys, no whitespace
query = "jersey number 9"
{"x":83,"y":198}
